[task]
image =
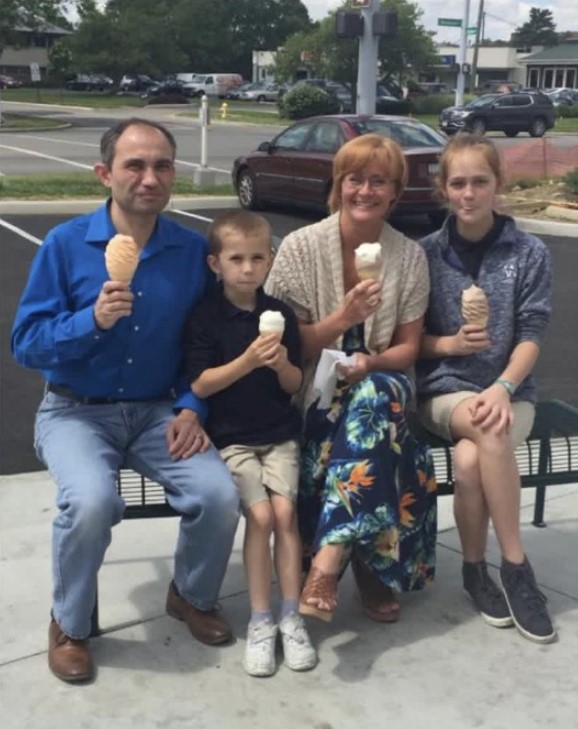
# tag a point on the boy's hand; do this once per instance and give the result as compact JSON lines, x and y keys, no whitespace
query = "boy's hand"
{"x":279,"y":359}
{"x":260,"y":352}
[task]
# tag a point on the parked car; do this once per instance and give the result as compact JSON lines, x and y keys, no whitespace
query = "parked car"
{"x":260,"y":92}
{"x":136,"y":82}
{"x":235,"y":93}
{"x":531,"y":112}
{"x":89,"y":82}
{"x":9,"y":82}
{"x":563,"y":97}
{"x":162,"y":88}
{"x":296,"y":166}
{"x":426,"y":88}
{"x":213,"y":84}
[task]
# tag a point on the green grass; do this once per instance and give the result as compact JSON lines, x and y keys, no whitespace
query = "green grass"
{"x":83,"y":185}
{"x":22,"y":123}
{"x":95,"y":99}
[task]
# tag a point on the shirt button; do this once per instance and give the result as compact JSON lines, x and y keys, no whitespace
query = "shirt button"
{"x":97,"y":336}
{"x":129,"y":360}
{"x":136,"y":328}
{"x":121,"y":389}
{"x":139,"y":293}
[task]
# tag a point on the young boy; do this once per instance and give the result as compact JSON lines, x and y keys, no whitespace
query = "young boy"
{"x":249,"y":379}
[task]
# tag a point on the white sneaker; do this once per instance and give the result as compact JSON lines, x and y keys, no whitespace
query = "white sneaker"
{"x":300,"y":655}
{"x":260,"y":649}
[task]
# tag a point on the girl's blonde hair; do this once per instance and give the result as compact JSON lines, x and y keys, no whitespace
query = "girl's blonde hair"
{"x":466,"y":141}
{"x":356,"y":154}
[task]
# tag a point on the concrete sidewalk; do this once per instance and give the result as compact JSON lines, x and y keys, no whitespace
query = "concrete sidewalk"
{"x":440,"y":666}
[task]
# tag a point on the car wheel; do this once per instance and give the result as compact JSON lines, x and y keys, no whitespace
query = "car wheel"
{"x":246,"y":191}
{"x":478,"y":126}
{"x":511,"y":132}
{"x":537,"y":128}
{"x":260,"y":99}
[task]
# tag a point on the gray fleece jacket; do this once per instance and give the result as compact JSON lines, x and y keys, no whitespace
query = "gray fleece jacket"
{"x":516,"y":274}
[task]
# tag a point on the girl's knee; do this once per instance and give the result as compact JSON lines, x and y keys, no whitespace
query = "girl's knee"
{"x":260,"y":517}
{"x":466,"y":462}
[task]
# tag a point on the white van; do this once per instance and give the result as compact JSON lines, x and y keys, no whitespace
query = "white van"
{"x":213,"y":84}
{"x":186,"y":78}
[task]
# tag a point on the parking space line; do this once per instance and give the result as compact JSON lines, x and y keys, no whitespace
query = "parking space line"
{"x":46,"y":156}
{"x":20,"y":232}
{"x":58,"y":141}
{"x":192,"y":215}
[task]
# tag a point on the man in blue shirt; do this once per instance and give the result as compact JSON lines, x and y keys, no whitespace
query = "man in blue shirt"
{"x":111,"y":355}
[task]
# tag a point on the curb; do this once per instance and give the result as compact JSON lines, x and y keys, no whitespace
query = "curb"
{"x":75,"y":207}
{"x":34,"y":129}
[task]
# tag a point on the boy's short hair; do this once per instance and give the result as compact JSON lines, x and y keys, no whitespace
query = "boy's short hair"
{"x":239,"y":221}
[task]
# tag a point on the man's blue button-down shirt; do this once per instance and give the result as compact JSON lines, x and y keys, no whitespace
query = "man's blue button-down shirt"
{"x":140,"y":356}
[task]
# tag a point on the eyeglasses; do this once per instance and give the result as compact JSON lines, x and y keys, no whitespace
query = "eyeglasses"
{"x":356,"y":182}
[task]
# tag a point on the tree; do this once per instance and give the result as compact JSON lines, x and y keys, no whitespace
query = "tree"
{"x":27,"y":14}
{"x":540,"y":30}
{"x":327,"y":56}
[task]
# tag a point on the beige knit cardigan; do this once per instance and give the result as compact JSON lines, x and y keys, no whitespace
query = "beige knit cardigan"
{"x":307,"y":274}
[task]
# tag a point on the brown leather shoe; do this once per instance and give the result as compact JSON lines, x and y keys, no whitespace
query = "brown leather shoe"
{"x":68,"y":659}
{"x":205,"y":625}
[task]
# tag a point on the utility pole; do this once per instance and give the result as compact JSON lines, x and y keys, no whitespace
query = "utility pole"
{"x":478,"y":35}
{"x":462,"y":58}
{"x":367,"y":59}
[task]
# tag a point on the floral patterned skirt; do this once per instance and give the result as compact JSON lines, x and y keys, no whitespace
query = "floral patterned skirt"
{"x":367,"y":483}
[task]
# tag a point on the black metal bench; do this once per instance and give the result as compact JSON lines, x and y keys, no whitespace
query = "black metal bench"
{"x":547,"y":458}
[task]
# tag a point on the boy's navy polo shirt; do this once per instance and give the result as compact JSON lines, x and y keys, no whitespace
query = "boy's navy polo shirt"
{"x":255,"y":410}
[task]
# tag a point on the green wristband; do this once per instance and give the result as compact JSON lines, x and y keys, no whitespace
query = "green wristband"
{"x":509,"y":386}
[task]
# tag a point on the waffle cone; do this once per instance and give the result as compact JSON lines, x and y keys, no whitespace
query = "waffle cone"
{"x":475,"y":308}
{"x":121,"y":257}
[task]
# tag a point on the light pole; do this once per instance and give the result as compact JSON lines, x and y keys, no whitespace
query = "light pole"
{"x":462,"y":58}
{"x":367,"y":59}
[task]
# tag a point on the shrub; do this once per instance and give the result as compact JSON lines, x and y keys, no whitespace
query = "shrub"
{"x":434,"y":103}
{"x":567,"y":112}
{"x":394,"y":106}
{"x":571,"y":180}
{"x":304,"y":100}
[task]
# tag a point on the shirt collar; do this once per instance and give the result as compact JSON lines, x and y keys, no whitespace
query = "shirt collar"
{"x":230,"y":311}
{"x":101,"y":229}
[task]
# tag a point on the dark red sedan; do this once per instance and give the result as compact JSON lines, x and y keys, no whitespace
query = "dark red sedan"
{"x":295,"y":168}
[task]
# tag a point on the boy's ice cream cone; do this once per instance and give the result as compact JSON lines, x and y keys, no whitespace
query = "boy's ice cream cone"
{"x":121,"y":257}
{"x":272,"y":322}
{"x":368,"y":260}
{"x":475,"y":309}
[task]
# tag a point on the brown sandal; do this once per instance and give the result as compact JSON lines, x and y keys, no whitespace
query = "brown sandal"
{"x":378,"y":601}
{"x":319,"y":586}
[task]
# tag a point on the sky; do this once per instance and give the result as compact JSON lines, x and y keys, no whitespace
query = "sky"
{"x":502,"y":16}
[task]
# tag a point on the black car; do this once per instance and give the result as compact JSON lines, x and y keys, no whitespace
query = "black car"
{"x":530,"y":112}
{"x":163,"y":88}
{"x":89,"y":82}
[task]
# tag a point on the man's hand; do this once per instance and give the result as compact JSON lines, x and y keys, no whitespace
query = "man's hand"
{"x":114,"y":302}
{"x":356,"y":372}
{"x":186,"y":436}
{"x":361,"y":301}
{"x":262,"y":351}
{"x":492,"y":409}
{"x":470,"y":339}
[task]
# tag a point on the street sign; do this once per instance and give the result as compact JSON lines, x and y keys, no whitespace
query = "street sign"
{"x":472,"y":31}
{"x":34,"y":72}
{"x":447,"y":60}
{"x":450,"y":22}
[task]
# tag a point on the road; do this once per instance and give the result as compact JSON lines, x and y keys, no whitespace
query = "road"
{"x":76,"y":148}
{"x":21,"y":390}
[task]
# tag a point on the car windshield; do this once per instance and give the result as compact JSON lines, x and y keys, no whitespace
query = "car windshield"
{"x":485,"y":100}
{"x":405,"y":133}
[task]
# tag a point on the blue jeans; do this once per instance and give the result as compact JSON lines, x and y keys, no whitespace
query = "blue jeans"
{"x":83,"y":447}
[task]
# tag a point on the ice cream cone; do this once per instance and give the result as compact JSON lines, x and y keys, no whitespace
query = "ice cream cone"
{"x":272,"y":322}
{"x":368,"y":261}
{"x":475,"y":308}
{"x":121,"y":257}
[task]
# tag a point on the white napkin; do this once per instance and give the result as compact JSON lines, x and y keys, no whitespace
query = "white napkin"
{"x":326,"y":374}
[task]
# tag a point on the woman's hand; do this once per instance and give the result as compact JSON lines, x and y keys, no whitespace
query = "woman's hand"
{"x":361,"y":301}
{"x":469,"y":339}
{"x":492,"y":409}
{"x":356,"y":372}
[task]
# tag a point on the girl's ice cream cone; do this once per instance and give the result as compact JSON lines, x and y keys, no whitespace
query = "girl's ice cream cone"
{"x":121,"y":257}
{"x":475,"y":308}
{"x":368,"y":260}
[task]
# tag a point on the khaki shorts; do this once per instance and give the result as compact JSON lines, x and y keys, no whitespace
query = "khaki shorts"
{"x":435,"y":415}
{"x":260,"y":469}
